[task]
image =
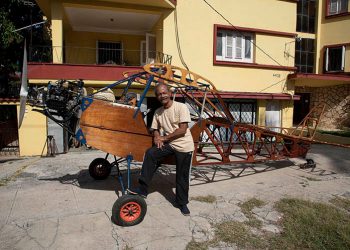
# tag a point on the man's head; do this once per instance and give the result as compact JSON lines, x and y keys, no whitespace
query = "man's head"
{"x":163,"y":94}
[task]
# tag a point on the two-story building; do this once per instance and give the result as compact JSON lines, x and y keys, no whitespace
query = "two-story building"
{"x":262,"y":55}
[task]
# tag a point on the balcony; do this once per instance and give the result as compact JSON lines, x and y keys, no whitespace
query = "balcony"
{"x":101,"y":64}
{"x":92,"y":56}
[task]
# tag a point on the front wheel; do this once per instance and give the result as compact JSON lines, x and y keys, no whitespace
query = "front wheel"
{"x":129,"y":210}
{"x":100,"y":169}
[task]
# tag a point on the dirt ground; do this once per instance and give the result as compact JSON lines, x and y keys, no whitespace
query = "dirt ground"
{"x":53,"y":203}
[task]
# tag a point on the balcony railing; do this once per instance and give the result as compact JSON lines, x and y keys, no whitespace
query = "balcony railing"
{"x":96,"y":56}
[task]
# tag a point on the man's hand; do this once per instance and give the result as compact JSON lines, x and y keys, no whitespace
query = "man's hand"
{"x":158,"y":141}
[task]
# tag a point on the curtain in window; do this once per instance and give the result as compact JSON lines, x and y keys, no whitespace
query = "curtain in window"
{"x":233,"y":46}
{"x":229,"y":45}
{"x":248,"y":45}
{"x":337,"y":6}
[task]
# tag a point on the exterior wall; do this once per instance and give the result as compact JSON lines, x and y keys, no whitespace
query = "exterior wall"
{"x":158,"y":31}
{"x":82,"y":46}
{"x":196,"y":36}
{"x":330,"y":30}
{"x":337,"y":100}
{"x":260,"y":114}
{"x":32,"y":134}
{"x":57,"y":31}
{"x":287,"y":113}
{"x":197,"y":40}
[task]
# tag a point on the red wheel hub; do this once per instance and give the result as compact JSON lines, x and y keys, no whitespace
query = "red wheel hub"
{"x":130,"y":211}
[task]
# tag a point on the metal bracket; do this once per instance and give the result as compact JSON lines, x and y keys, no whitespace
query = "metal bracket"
{"x":80,"y":136}
{"x":86,"y":102}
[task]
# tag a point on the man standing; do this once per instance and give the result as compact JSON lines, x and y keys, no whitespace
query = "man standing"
{"x":171,"y":137}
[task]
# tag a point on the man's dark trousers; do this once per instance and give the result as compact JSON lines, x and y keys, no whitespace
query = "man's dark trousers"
{"x":183,"y":164}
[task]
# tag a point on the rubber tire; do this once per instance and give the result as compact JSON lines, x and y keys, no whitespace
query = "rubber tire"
{"x":96,"y":173}
{"x":118,"y":204}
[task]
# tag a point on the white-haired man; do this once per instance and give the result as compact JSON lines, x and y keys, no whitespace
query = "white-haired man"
{"x":171,"y":137}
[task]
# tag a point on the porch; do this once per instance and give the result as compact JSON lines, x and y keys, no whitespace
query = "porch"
{"x":98,"y":40}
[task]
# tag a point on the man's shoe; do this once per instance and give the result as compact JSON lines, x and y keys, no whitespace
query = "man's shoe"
{"x":184,"y":210}
{"x":138,"y":191}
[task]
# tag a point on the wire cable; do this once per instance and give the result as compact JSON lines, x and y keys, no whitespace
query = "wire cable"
{"x":178,"y":41}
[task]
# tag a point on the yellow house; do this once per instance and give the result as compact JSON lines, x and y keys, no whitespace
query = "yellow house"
{"x":246,"y":48}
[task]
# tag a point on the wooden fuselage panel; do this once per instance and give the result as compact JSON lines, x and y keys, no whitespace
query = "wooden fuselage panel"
{"x":112,"y":129}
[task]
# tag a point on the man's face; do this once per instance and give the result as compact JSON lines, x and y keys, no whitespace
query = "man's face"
{"x":163,"y":95}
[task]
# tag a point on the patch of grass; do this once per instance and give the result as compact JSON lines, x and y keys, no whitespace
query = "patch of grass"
{"x":306,"y":225}
{"x":343,"y":133}
{"x":234,"y":232}
{"x":311,"y":225}
{"x":247,"y":208}
{"x":193,"y":245}
{"x":248,"y":205}
{"x":341,"y":202}
{"x":207,"y":199}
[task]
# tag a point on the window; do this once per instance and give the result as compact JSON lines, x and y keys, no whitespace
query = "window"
{"x":109,"y":53}
{"x":335,"y":59}
{"x":335,"y":7}
{"x":304,"y":55}
{"x":306,"y":10}
{"x":234,"y":46}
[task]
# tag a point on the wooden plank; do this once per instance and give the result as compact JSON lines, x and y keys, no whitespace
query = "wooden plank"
{"x":118,"y":143}
{"x":110,"y":116}
{"x":111,"y":128}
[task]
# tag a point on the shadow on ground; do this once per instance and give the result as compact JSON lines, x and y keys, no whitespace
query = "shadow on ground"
{"x":164,"y":179}
{"x":203,"y":174}
{"x":9,"y":159}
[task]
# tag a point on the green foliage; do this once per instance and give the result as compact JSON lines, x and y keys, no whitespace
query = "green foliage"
{"x":247,"y":208}
{"x":16,"y":14}
{"x":343,"y":133}
{"x":7,"y":35}
{"x":312,"y":225}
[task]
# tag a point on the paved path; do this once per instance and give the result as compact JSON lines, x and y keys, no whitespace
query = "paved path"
{"x":53,"y":203}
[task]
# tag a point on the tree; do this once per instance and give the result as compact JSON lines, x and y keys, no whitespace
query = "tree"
{"x":15,"y":14}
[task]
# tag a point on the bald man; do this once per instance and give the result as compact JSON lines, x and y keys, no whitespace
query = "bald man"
{"x":171,"y":136}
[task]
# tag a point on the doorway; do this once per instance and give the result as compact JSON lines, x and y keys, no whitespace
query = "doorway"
{"x":273,"y":115}
{"x":9,"y":144}
{"x":301,"y":107}
{"x":150,"y":48}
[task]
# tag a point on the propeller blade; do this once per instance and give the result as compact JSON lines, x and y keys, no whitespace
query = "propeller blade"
{"x":24,"y":87}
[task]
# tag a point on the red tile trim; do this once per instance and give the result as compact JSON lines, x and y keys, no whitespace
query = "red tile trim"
{"x":74,"y":71}
{"x":253,"y":65}
{"x":254,"y":30}
{"x":329,"y":77}
{"x":251,"y":95}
